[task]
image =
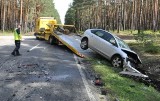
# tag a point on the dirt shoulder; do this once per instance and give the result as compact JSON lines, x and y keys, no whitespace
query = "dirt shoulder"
{"x":151,"y":67}
{"x":150,"y":62}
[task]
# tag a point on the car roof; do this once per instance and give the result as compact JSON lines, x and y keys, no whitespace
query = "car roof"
{"x":106,"y":31}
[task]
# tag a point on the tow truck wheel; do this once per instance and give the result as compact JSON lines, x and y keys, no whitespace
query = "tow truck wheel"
{"x":84,"y":44}
{"x":51,"y":40}
{"x":117,"y":61}
{"x":37,"y":38}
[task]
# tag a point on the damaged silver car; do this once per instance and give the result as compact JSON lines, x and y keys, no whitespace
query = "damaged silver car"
{"x":111,"y":47}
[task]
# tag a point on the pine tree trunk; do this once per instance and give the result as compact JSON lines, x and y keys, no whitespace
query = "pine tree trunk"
{"x":4,"y":16}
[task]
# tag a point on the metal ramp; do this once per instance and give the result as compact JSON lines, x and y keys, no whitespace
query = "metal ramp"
{"x":71,"y":41}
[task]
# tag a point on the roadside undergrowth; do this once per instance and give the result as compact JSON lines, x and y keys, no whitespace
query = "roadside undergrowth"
{"x":122,"y":88}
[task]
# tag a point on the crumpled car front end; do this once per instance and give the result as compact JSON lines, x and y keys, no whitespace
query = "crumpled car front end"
{"x":130,"y":64}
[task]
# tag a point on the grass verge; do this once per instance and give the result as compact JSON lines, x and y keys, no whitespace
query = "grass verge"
{"x":6,"y":33}
{"x":10,"y":33}
{"x":122,"y":88}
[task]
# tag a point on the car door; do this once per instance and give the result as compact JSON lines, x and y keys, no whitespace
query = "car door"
{"x":108,"y":48}
{"x":95,"y":40}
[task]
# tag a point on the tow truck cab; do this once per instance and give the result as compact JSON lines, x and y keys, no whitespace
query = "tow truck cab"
{"x":42,"y":29}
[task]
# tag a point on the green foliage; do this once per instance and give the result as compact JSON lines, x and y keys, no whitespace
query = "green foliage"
{"x":142,"y":37}
{"x":149,"y":41}
{"x":49,"y":10}
{"x":70,"y":16}
{"x":122,"y":88}
{"x":135,"y":32}
{"x":152,"y":48}
{"x":125,"y":32}
{"x":78,"y":3}
{"x":75,"y":2}
{"x":80,"y":32}
{"x":151,"y":32}
{"x":6,"y":33}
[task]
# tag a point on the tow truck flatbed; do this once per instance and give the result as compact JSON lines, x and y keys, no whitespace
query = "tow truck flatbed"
{"x":71,"y":41}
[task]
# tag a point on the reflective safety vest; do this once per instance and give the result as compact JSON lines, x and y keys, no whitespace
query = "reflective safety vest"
{"x":16,"y":35}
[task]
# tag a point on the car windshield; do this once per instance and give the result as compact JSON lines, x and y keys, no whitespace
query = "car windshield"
{"x":121,"y":43}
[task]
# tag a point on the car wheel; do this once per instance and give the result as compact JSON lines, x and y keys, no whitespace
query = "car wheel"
{"x":51,"y":40}
{"x":84,"y":44}
{"x":117,"y":61}
{"x":37,"y":38}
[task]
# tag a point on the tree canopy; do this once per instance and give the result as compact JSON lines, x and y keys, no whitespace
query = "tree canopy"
{"x":49,"y":10}
{"x":70,"y":16}
{"x":25,"y":12}
{"x":115,"y":14}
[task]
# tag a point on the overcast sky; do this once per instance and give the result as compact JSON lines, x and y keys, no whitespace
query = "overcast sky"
{"x":62,"y":6}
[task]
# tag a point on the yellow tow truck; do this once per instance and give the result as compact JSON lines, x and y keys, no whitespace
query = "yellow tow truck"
{"x":47,"y":28}
{"x":42,"y":29}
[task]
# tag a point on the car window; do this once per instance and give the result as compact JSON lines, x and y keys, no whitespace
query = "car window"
{"x":94,"y":31}
{"x":122,"y":44}
{"x":104,"y":35}
{"x":107,"y":36}
{"x":98,"y":33}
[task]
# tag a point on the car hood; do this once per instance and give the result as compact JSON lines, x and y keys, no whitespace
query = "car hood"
{"x":133,"y":55}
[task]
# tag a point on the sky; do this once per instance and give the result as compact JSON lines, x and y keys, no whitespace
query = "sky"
{"x":62,"y":7}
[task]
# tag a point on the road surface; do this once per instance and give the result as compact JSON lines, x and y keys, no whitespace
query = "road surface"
{"x":42,"y":73}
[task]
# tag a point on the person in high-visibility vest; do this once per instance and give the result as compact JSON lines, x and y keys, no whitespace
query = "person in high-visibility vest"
{"x":17,"y":38}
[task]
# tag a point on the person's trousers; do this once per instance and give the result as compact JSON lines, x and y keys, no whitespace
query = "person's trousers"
{"x":16,"y":50}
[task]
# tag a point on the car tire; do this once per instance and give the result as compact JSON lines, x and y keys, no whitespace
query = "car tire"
{"x":51,"y":40}
{"x":84,"y":44}
{"x":37,"y":38}
{"x":117,"y":61}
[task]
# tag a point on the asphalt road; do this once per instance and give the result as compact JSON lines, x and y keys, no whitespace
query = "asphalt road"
{"x":44,"y":73}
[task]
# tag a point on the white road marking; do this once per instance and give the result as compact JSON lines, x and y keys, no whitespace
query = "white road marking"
{"x":36,"y":47}
{"x":33,"y":47}
{"x":89,"y":92}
